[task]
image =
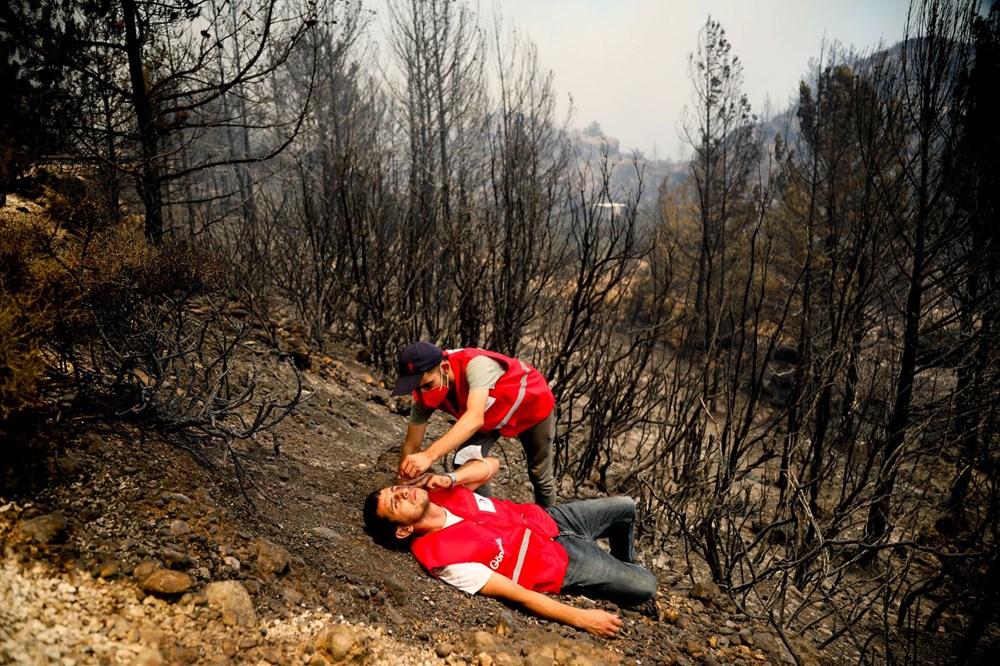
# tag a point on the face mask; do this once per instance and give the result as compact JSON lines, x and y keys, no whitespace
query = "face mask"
{"x":434,"y":397}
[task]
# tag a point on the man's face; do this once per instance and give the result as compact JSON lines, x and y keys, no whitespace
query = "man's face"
{"x":432,"y":379}
{"x":403,"y":505}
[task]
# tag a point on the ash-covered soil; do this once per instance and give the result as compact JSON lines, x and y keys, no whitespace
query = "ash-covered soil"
{"x":124,"y":549}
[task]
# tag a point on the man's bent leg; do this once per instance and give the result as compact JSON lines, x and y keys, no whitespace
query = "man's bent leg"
{"x":594,"y":573}
{"x":476,"y":447}
{"x":611,"y":517}
{"x":537,"y":444}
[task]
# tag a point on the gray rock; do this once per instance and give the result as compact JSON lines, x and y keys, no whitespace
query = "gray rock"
{"x":480,"y":641}
{"x":746,"y":637}
{"x":768,"y":643}
{"x":272,"y":558}
{"x":326,"y":533}
{"x":291,"y":595}
{"x":166,"y":582}
{"x":507,"y":624}
{"x":179,"y":527}
{"x":394,"y":616}
{"x":45,"y":529}
{"x":95,"y":444}
{"x":174,"y":557}
{"x":396,"y":589}
{"x":233,"y":601}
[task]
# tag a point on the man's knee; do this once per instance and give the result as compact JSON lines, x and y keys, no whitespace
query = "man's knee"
{"x":642,"y":589}
{"x":621,"y":506}
{"x":648,"y":589}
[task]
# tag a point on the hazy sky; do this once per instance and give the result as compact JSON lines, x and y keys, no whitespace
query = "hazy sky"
{"x":625,"y":62}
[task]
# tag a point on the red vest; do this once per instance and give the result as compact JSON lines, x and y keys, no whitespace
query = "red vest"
{"x":517,"y":540}
{"x":520,"y":399}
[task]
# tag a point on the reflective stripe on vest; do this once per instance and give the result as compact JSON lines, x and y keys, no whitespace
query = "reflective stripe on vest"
{"x":520,"y":396}
{"x":521,"y":553}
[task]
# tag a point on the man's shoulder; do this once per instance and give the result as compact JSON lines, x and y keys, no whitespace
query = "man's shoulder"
{"x":483,"y":371}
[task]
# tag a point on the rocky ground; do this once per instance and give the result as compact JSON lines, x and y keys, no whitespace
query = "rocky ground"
{"x":130,"y":552}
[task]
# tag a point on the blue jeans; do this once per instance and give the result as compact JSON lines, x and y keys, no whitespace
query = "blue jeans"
{"x":591,"y":571}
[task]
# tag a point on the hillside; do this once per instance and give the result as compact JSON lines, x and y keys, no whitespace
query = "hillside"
{"x":120,"y":547}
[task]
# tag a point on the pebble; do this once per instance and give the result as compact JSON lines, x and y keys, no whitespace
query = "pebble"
{"x":705,"y":591}
{"x":179,"y":527}
{"x":166,"y":582}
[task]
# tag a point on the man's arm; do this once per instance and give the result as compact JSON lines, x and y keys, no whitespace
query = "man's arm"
{"x":472,"y":474}
{"x":593,"y":620}
{"x":414,"y":464}
{"x":414,"y":438}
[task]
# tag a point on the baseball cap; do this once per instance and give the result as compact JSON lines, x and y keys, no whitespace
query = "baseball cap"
{"x":414,"y":361}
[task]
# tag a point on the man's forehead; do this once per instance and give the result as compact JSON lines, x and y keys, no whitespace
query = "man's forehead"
{"x":383,"y":500}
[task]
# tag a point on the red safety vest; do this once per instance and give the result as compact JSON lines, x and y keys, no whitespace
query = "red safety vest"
{"x":520,"y":399}
{"x":516,"y":540}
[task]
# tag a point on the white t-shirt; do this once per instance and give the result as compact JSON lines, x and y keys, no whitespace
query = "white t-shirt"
{"x":467,"y":576}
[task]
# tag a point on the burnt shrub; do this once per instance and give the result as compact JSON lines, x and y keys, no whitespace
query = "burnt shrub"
{"x":26,"y":317}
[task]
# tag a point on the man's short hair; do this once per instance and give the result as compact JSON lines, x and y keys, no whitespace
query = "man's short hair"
{"x":379,"y":528}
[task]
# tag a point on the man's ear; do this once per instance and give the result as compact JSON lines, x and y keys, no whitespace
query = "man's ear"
{"x":403,"y":531}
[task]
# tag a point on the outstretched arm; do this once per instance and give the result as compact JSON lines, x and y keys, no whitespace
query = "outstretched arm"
{"x":593,"y":620}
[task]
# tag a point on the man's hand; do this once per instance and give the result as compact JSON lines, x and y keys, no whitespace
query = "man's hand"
{"x":414,"y":465}
{"x":430,"y":481}
{"x":597,"y":622}
{"x":600,"y":623}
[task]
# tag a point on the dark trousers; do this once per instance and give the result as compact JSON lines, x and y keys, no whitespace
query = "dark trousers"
{"x":537,"y":444}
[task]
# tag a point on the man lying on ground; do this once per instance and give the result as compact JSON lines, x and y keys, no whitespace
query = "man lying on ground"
{"x":515,"y":552}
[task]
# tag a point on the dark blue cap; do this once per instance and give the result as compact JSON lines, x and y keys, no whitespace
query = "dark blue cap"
{"x":414,"y":361}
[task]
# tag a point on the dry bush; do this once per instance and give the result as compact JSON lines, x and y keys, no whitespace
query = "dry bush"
{"x":25,"y":316}
{"x":21,"y":364}
{"x":96,"y":321}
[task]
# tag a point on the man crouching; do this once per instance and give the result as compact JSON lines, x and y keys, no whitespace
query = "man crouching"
{"x":515,"y":552}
